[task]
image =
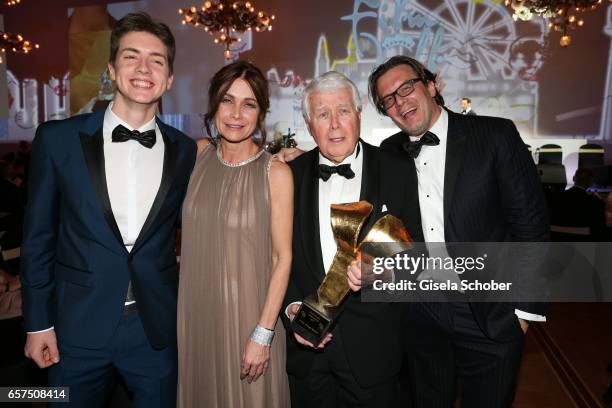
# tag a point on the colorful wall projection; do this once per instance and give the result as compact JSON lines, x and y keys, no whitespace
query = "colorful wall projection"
{"x":511,"y":69}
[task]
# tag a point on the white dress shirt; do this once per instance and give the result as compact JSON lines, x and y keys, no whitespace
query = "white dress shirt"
{"x":133,"y":176}
{"x":336,"y":190}
{"x":430,"y":166}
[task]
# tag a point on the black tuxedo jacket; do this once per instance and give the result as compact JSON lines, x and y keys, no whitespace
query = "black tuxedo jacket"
{"x":75,"y":268}
{"x":492,"y":193}
{"x":369,"y":330}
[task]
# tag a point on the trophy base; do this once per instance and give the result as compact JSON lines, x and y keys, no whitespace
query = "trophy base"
{"x":313,"y":321}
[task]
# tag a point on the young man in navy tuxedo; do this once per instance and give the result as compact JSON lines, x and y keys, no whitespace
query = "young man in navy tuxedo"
{"x":99,"y":270}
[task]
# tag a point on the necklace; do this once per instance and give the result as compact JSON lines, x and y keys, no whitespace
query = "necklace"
{"x":242,"y":163}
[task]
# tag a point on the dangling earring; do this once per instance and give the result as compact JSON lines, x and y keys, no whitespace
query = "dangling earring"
{"x":214,"y":135}
{"x":215,"y":132}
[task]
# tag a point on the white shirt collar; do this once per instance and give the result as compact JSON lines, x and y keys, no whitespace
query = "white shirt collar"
{"x":350,"y":159}
{"x":439,"y":128}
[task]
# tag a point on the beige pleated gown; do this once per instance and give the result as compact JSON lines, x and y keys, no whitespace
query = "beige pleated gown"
{"x":226,"y":259}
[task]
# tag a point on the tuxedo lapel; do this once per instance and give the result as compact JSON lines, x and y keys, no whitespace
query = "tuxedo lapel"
{"x":455,"y":146}
{"x":309,"y":204}
{"x":93,"y":149}
{"x":168,"y":175}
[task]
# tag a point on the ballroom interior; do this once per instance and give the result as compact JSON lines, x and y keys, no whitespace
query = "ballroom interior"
{"x":546,"y":65}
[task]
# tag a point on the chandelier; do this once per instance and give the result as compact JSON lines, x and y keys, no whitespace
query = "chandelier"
{"x":225,"y":19}
{"x":561,"y":14}
{"x":15,"y":43}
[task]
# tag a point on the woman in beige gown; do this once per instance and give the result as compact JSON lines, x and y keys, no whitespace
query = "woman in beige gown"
{"x":235,"y":256}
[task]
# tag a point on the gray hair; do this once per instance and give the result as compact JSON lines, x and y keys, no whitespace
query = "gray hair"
{"x":329,"y":81}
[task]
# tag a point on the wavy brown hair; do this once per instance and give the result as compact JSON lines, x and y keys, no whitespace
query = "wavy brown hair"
{"x":223,"y":80}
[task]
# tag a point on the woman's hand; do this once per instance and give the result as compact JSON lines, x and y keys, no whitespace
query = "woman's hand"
{"x":255,"y":360}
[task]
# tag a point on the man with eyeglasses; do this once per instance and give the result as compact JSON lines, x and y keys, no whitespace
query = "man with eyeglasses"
{"x":476,"y":183}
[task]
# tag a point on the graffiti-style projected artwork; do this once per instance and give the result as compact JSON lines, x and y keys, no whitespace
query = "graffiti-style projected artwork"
{"x":606,"y":117}
{"x":508,"y":68}
{"x":23,"y":106}
{"x":57,"y":99}
{"x":475,"y":46}
{"x":285,"y":102}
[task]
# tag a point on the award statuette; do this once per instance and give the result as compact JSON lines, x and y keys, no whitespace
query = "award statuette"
{"x":318,"y":311}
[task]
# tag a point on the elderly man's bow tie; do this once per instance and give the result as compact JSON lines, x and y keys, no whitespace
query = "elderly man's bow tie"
{"x":414,"y":148}
{"x":344,"y":170}
{"x":123,"y":134}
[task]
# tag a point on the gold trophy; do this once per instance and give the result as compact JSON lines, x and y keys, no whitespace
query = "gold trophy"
{"x":319,"y":311}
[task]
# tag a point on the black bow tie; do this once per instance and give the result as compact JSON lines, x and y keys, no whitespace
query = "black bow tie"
{"x":123,"y":134}
{"x":344,"y":170}
{"x":414,"y":148}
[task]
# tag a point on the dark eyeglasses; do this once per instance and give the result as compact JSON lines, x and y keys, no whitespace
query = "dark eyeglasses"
{"x":403,"y":90}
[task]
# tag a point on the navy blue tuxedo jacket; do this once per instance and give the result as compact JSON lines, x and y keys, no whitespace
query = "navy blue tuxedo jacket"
{"x":75,"y":268}
{"x":492,"y":193}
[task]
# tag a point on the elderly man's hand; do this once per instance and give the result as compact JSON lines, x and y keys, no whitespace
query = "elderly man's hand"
{"x":291,"y":312}
{"x":286,"y":154}
{"x":353,"y":276}
{"x":361,"y":274}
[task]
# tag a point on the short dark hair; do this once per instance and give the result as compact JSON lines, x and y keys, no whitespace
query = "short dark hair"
{"x":419,"y":69}
{"x":142,"y":22}
{"x":223,"y":80}
{"x":465,"y":98}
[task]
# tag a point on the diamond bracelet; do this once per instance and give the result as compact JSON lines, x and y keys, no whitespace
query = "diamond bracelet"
{"x":262,"y":336}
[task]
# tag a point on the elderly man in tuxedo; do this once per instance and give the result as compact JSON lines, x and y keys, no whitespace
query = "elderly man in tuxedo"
{"x":476,"y":182}
{"x":99,"y":271}
{"x":358,"y":363}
